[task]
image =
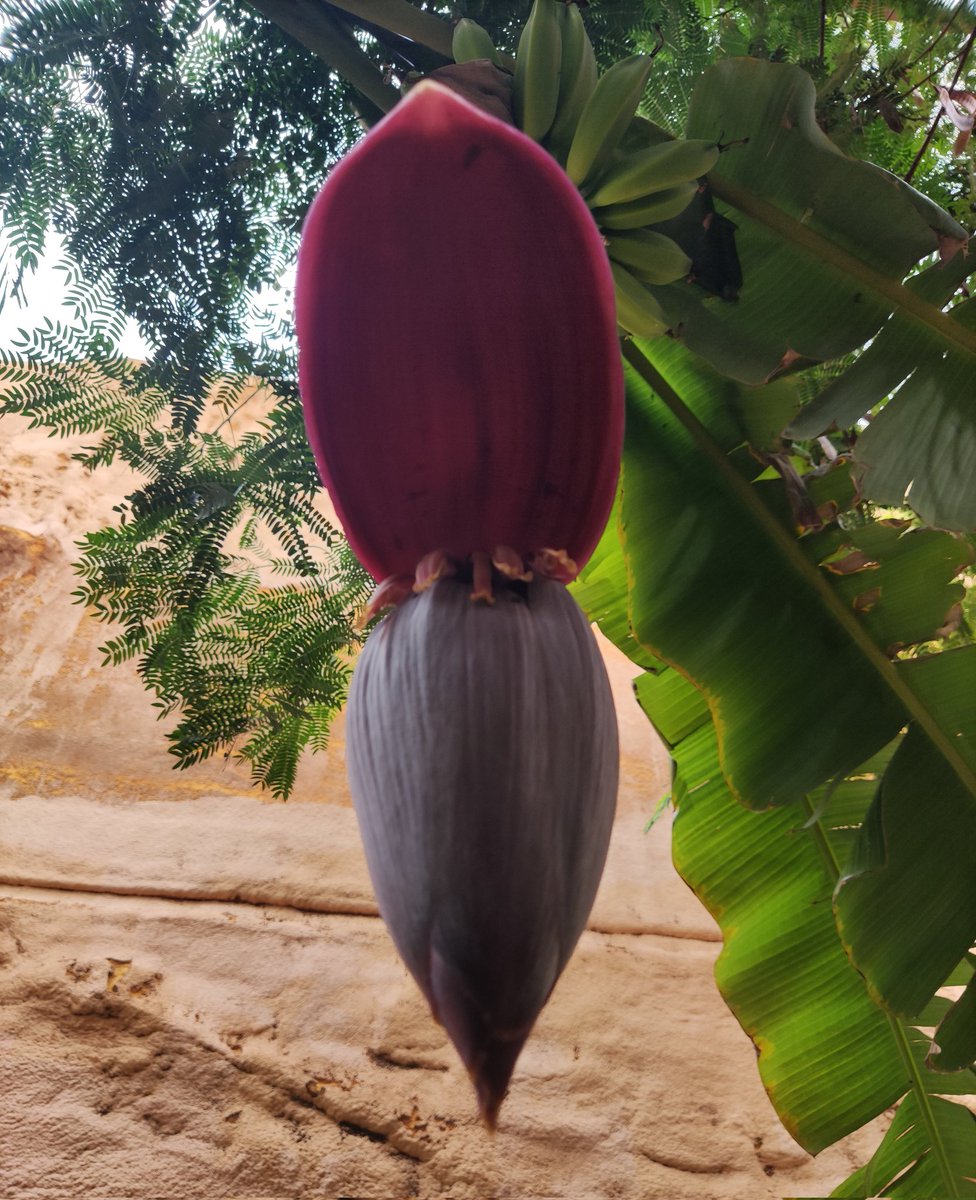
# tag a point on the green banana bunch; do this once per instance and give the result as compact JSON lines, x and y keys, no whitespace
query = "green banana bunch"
{"x":537,"y":69}
{"x":637,"y":310}
{"x":605,"y":118}
{"x":647,"y":210}
{"x":471,"y":42}
{"x":651,"y":256}
{"x":632,"y":173}
{"x":654,"y":169}
{"x":577,"y":80}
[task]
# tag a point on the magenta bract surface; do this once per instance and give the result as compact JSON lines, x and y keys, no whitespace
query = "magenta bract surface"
{"x":458,"y":357}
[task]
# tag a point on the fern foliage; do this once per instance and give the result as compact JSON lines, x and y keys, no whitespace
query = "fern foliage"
{"x":175,"y":147}
{"x":234,"y":593}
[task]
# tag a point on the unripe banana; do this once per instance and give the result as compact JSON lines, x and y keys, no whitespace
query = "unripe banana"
{"x":537,"y":65}
{"x":654,"y":169}
{"x":605,"y":118}
{"x":657,"y":206}
{"x":640,"y":134}
{"x":637,"y":310}
{"x":471,"y":42}
{"x":651,"y":256}
{"x":577,"y":79}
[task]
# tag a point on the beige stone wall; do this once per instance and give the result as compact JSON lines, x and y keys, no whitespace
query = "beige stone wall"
{"x":198,"y":999}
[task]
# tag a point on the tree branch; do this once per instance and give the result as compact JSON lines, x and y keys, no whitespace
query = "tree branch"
{"x":398,"y":16}
{"x":319,"y":30}
{"x":964,"y":54}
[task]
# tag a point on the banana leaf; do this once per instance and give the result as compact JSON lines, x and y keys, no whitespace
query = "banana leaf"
{"x":825,"y":243}
{"x":691,"y":552}
{"x":829,"y":1057}
{"x":897,"y":351}
{"x":954,"y":1044}
{"x":920,"y":449}
{"x":794,"y":665}
{"x":601,"y":591}
{"x":798,"y":685}
{"x":911,"y":1163}
{"x":824,"y":240}
{"x":915,"y":867}
{"x":826,"y":1056}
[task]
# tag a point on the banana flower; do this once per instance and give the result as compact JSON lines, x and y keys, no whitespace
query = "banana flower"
{"x":462,"y":389}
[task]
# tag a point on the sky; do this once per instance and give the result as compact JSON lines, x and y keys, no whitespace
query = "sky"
{"x":44,"y":290}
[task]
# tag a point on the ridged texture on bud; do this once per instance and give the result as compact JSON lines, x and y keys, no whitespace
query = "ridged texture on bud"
{"x":482,"y":753}
{"x":458,"y":355}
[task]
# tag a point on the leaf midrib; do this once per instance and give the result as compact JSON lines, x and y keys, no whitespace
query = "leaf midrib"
{"x":809,"y":573}
{"x":822,"y":248}
{"x":899,"y":1036}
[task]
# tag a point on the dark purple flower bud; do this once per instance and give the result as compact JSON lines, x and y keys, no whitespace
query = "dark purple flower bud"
{"x":482,"y":753}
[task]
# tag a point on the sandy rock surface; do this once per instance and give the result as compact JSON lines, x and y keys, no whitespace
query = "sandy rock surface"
{"x":198,"y":999}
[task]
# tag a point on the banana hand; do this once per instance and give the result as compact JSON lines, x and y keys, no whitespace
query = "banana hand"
{"x":648,"y":210}
{"x":637,"y":310}
{"x":651,"y":256}
{"x":577,"y":80}
{"x":655,"y":169}
{"x":605,"y":118}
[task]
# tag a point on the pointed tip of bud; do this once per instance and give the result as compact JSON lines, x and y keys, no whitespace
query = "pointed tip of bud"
{"x":491,"y":1079}
{"x":491,"y":1086}
{"x":488,"y":1053}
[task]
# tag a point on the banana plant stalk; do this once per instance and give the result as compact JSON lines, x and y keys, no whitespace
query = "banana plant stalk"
{"x":462,"y":388}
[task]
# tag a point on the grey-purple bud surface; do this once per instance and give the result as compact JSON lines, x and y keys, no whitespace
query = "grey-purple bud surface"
{"x":482,"y":754}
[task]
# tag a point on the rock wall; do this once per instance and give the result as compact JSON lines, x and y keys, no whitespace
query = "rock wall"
{"x":197,"y":997}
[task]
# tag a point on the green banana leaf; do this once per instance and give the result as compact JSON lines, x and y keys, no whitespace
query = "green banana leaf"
{"x":954,"y":1043}
{"x":799,"y":688}
{"x":910,"y":1163}
{"x":825,"y":243}
{"x":826,"y":1056}
{"x":915,"y":870}
{"x":790,"y":649}
{"x":696,"y":527}
{"x":899,"y":349}
{"x":601,"y":590}
{"x":921,"y":448}
{"x":829,"y":1057}
{"x":824,"y":240}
